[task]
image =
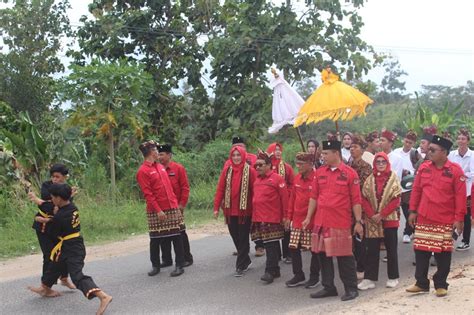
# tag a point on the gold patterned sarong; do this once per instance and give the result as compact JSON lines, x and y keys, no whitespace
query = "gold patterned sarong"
{"x":300,"y":237}
{"x":172,"y":225}
{"x":434,"y":238}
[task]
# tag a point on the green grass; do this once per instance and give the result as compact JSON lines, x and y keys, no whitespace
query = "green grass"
{"x":101,"y":220}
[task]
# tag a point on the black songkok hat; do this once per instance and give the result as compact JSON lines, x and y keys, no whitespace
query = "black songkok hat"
{"x":332,"y":145}
{"x":442,"y":142}
{"x":237,"y":139}
{"x":165,"y":148}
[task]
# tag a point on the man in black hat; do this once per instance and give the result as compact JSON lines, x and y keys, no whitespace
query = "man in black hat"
{"x":438,"y":202}
{"x":179,"y":182}
{"x":335,"y":197}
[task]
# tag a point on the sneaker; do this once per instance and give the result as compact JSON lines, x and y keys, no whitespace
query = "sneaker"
{"x":416,"y":289}
{"x":288,"y":261}
{"x":267,"y":277}
{"x":311,"y":283}
{"x":295,"y":281}
{"x":463,"y":247}
{"x":248,"y":267}
{"x":392,"y":283}
{"x":360,"y":275}
{"x":385,"y":259}
{"x":366,"y":284}
{"x":239,"y":273}
{"x":406,"y":239}
{"x":440,"y":292}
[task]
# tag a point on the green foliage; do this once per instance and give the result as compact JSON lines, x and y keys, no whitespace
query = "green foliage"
{"x":32,"y":32}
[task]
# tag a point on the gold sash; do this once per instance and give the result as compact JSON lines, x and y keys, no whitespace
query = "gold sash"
{"x":391,"y":190}
{"x":281,"y":169}
{"x":56,"y":251}
{"x":244,"y":187}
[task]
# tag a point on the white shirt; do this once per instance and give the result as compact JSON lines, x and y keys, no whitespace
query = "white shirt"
{"x":406,"y":162}
{"x":467,"y":164}
{"x":421,"y":153}
{"x":368,"y":157}
{"x":346,"y":154}
{"x":396,"y":164}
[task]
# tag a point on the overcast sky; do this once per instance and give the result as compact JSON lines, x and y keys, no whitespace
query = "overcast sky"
{"x":432,"y":39}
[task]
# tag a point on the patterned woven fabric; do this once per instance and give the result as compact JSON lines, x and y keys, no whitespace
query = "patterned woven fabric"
{"x":300,"y":237}
{"x":435,"y":238}
{"x":334,"y":242}
{"x":173,"y":225}
{"x":267,"y":232}
{"x":372,"y":229}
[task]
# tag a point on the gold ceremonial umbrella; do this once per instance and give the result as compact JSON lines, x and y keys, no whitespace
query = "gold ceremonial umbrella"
{"x":332,"y":100}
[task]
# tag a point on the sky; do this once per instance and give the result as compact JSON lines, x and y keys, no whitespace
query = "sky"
{"x":433,"y":40}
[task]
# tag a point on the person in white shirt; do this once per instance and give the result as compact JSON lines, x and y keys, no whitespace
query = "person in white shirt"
{"x":465,"y":157}
{"x":387,"y":138}
{"x":409,"y":159}
{"x":346,"y":146}
{"x":373,"y":146}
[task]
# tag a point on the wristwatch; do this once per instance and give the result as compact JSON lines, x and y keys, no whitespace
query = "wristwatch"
{"x":359,"y":221}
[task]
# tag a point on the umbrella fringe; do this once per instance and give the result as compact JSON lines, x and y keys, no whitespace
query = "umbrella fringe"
{"x":341,"y":114}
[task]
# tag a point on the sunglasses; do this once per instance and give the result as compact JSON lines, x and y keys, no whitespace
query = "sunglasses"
{"x":433,"y":150}
{"x":381,"y":162}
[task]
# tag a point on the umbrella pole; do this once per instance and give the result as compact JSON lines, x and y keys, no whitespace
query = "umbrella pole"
{"x":338,"y":135}
{"x":300,"y":138}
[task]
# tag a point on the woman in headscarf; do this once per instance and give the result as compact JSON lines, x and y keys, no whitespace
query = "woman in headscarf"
{"x":234,"y":196}
{"x":346,"y":146}
{"x":381,"y":202}
{"x":286,"y":172}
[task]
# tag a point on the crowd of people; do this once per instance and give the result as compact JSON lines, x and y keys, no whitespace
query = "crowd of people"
{"x":345,"y":201}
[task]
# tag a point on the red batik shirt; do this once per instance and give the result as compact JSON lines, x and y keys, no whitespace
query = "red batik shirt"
{"x":156,"y":187}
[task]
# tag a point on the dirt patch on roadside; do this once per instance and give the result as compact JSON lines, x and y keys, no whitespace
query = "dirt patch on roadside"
{"x":30,"y":265}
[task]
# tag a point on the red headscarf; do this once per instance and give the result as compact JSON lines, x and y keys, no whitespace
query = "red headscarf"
{"x":243,"y":154}
{"x":381,"y":177}
{"x":271,"y":149}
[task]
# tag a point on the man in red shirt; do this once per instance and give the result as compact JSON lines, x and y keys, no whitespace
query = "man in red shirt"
{"x":335,"y":196}
{"x":438,"y":201}
{"x":164,"y":218}
{"x":179,"y":181}
{"x":270,"y":204}
{"x":286,"y":172}
{"x":297,"y":210}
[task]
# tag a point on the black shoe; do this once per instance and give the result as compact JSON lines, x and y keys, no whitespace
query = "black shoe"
{"x":311,"y":283}
{"x":177,"y":272}
{"x":276,"y":275}
{"x":323,"y":293}
{"x":166,"y":264}
{"x":187,"y":263}
{"x":267,"y":277}
{"x":154,"y":271}
{"x":433,"y":263}
{"x":295,"y":281}
{"x":288,"y":261}
{"x":239,"y":273}
{"x":349,"y":295}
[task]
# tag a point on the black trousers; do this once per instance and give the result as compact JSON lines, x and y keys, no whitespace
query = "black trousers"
{"x":155,"y":249}
{"x":373,"y":255}
{"x":285,"y":243}
{"x":259,"y":244}
{"x":360,"y":252}
{"x":297,"y":264}
{"x":347,"y":272}
{"x":240,"y":236}
{"x":272,"y":250}
{"x":443,"y":262}
{"x":408,"y":229}
{"x":165,"y":246}
{"x":46,"y":245}
{"x":466,"y":234}
{"x":74,"y":262}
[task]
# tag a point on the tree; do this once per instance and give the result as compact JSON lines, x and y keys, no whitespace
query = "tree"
{"x":31,"y":30}
{"x":159,"y":34}
{"x":393,"y":88}
{"x":108,"y":98}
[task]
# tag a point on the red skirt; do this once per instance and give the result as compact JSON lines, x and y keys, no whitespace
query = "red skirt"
{"x":434,"y":238}
{"x":334,"y":242}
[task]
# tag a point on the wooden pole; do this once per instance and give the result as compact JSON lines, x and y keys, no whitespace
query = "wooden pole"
{"x":298,"y":132}
{"x":338,"y":134}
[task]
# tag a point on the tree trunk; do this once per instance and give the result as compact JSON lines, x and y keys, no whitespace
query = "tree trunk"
{"x":110,"y":141}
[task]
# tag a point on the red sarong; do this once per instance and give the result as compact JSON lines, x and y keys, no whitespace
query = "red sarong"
{"x":334,"y":242}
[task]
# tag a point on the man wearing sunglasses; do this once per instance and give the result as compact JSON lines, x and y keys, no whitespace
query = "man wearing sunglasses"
{"x":438,"y":206}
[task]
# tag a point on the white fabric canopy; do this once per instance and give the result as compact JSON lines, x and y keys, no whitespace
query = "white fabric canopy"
{"x":286,"y":103}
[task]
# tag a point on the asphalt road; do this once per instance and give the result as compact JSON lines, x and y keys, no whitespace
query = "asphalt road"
{"x":207,"y":287}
